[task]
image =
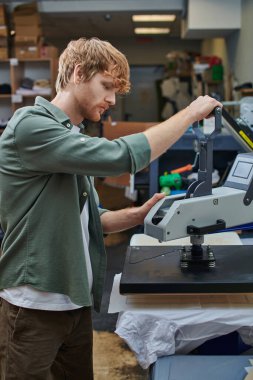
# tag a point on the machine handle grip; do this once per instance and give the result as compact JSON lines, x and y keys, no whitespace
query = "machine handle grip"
{"x":193,"y":230}
{"x":215,"y":112}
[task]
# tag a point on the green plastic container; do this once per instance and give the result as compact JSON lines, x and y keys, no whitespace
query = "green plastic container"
{"x":217,"y":72}
{"x":171,"y":180}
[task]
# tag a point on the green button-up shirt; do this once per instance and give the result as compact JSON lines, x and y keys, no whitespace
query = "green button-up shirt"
{"x":44,"y":181}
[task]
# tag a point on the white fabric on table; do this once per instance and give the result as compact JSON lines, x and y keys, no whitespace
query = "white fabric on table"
{"x":158,"y":325}
{"x":154,"y":328}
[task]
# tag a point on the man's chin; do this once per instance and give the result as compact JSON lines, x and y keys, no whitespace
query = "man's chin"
{"x":95,"y":119}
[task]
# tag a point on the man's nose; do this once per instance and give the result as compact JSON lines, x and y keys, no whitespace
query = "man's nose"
{"x":111,"y":99}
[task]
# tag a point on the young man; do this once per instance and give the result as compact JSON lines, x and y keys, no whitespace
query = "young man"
{"x":53,"y":260}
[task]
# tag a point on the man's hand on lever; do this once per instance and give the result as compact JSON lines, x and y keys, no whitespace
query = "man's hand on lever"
{"x":203,"y":107}
{"x":165,"y":134}
{"x":115,"y":221}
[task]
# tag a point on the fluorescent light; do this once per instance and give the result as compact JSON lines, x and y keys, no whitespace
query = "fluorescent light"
{"x":153,"y":18}
{"x":151,"y":30}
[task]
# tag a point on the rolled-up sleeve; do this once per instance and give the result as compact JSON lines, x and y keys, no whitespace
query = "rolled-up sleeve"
{"x":139,"y":150}
{"x":44,"y":145}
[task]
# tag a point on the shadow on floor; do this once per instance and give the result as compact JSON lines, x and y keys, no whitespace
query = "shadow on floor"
{"x":115,"y":260}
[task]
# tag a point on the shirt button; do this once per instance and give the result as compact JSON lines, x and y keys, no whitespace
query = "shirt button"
{"x":68,"y":125}
{"x":85,"y":194}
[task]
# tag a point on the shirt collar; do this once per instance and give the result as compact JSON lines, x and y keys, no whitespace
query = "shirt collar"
{"x":56,"y":112}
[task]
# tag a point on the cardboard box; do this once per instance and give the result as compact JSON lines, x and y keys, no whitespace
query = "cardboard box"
{"x":3,"y":42}
{"x":26,"y":14}
{"x":3,"y":53}
{"x":3,"y":31}
{"x":26,"y":40}
{"x":33,"y":19}
{"x":32,"y":51}
{"x":29,"y":30}
{"x":114,"y":130}
{"x":49,"y":52}
{"x":25,"y":9}
{"x":2,"y":14}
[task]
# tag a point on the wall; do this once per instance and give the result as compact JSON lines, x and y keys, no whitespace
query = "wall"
{"x":239,"y":46}
{"x":146,"y":56}
{"x":146,"y":50}
{"x":218,"y":47}
{"x":150,"y":51}
{"x":235,"y":50}
{"x":210,"y":18}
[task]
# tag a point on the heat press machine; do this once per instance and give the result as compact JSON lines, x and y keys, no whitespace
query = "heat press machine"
{"x":197,"y":268}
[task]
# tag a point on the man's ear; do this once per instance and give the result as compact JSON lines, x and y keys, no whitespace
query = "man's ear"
{"x":78,"y":75}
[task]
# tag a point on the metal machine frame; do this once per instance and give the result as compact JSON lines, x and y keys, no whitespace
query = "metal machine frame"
{"x":203,"y":210}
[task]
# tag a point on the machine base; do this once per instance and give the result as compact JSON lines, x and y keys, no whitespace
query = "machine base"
{"x":150,"y":269}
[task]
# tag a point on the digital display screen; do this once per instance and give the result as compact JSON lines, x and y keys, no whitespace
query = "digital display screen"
{"x":243,"y":169}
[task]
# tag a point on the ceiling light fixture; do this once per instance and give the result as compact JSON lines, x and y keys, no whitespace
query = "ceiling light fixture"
{"x":153,"y":18}
{"x":151,"y":30}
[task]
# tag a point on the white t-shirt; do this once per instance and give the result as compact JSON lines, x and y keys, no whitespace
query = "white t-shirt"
{"x":29,"y":297}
